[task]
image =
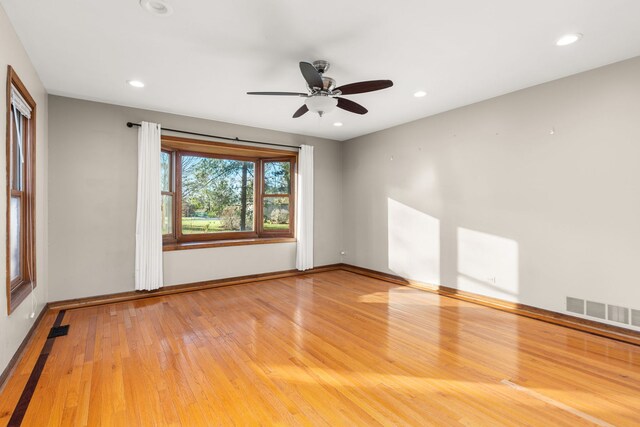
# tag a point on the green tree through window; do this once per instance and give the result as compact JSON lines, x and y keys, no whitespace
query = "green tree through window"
{"x":217,"y":194}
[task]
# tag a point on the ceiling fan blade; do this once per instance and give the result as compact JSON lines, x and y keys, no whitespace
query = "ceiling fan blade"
{"x":351,"y":106}
{"x":311,"y":75}
{"x":362,"y":87}
{"x":278,"y":93}
{"x":300,"y":111}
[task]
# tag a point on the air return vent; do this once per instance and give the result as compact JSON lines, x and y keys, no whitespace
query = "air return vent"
{"x":597,"y":309}
{"x":575,"y":305}
{"x":635,"y":317}
{"x":58,"y":331}
{"x":614,"y":313}
{"x":618,"y":314}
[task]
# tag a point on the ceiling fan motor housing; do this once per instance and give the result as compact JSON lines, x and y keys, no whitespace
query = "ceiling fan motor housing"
{"x":328,"y":84}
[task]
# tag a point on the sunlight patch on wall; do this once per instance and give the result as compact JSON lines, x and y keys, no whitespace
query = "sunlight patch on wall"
{"x":487,"y":264}
{"x":414,"y":243}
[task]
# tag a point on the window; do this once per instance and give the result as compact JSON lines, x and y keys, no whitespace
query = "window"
{"x":276,"y":195}
{"x":21,"y":119}
{"x":215,"y":193}
{"x":168,"y":195}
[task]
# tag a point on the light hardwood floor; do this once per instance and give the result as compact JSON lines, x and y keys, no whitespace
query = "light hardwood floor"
{"x":331,"y":349}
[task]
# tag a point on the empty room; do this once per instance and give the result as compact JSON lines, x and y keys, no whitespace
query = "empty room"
{"x":281,"y":212}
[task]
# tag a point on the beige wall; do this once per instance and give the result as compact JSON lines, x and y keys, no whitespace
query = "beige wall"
{"x":486,"y":199}
{"x":14,"y":328}
{"x":92,"y":181}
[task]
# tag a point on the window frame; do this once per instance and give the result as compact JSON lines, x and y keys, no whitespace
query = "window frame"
{"x":19,"y":288}
{"x":170,"y":237}
{"x":264,"y":195}
{"x":179,"y":147}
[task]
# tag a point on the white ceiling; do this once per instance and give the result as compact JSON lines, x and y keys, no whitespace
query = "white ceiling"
{"x":201,"y":60}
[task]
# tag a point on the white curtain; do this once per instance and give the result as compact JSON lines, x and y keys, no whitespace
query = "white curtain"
{"x":148,"y":275}
{"x":304,"y":209}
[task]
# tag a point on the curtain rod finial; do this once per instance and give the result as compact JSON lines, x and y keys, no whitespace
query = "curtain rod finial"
{"x":129,"y":124}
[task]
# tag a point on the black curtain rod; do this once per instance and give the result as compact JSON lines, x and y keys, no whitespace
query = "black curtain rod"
{"x":226,"y":138}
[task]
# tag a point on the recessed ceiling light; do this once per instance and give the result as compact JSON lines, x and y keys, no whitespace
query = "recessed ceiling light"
{"x":156,"y":7}
{"x":420,"y":94}
{"x":568,"y":39}
{"x":135,"y":83}
{"x":337,"y":124}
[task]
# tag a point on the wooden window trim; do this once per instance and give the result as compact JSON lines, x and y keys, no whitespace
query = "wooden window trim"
{"x":179,"y":147}
{"x":18,"y":290}
{"x":222,"y":148}
{"x":223,"y":243}
{"x":290,"y":195}
{"x":171,"y":237}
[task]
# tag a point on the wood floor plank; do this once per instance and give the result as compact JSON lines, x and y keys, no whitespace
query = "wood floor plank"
{"x":332,"y":348}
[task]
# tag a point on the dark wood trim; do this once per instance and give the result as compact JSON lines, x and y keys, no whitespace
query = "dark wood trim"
{"x":257,"y":200}
{"x":597,"y":328}
{"x":170,"y":237}
{"x":223,"y":148}
{"x":177,"y":289}
{"x":17,"y":294}
{"x":223,"y":243}
{"x":23,"y":345}
{"x":30,"y":387}
{"x":8,"y":187}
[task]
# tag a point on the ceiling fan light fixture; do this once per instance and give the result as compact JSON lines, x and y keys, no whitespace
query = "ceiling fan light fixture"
{"x":321,"y":104}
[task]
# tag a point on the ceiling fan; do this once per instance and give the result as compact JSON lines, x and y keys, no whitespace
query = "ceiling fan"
{"x":323,"y":95}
